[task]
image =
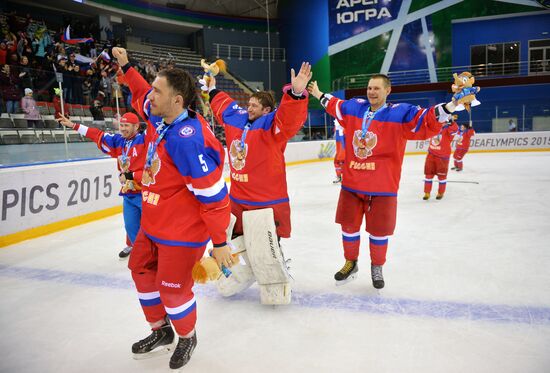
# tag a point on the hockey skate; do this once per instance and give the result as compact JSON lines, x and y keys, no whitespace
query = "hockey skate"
{"x":377,"y":276}
{"x":184,"y":350}
{"x":347,"y":273}
{"x":426,"y":196}
{"x":159,"y":342}
{"x":454,"y":168}
{"x":439,"y":196}
{"x":125,"y":252}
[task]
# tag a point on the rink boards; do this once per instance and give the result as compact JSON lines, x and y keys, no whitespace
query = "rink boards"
{"x":41,"y":199}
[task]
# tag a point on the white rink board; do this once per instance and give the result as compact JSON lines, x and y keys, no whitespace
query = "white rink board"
{"x":33,"y":196}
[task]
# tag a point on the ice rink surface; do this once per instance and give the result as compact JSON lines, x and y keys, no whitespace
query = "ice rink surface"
{"x":467,"y":287}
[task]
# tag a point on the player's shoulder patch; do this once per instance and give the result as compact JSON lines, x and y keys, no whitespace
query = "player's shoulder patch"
{"x":187,"y":131}
{"x":360,"y":100}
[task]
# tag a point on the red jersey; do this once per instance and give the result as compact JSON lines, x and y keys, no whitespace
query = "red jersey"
{"x":185,"y":199}
{"x":375,"y":146}
{"x":128,"y":152}
{"x":463,"y":138}
{"x":440,"y":145}
{"x":256,"y":150}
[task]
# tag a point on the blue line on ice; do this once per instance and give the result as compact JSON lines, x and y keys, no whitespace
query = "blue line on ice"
{"x":359,"y":303}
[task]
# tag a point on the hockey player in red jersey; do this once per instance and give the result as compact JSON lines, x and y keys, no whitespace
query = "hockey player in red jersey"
{"x":437,"y":159}
{"x":127,"y":148}
{"x":256,"y":141}
{"x":185,"y":205}
{"x":376,"y":134}
{"x":340,"y":154}
{"x":465,"y":133}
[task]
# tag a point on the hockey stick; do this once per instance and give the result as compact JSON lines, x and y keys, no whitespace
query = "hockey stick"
{"x":463,"y":182}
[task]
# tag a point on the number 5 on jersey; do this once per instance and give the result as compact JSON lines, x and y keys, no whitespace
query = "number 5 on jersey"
{"x":203,"y":163}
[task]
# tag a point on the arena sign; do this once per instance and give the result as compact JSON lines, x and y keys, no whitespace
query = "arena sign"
{"x":34,"y":196}
{"x":351,"y":17}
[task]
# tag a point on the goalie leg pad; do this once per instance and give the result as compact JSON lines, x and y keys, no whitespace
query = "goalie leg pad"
{"x":241,"y":277}
{"x":275,"y":294}
{"x":266,"y":257}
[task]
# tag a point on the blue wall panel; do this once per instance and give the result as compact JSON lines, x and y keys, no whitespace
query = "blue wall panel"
{"x":511,"y":29}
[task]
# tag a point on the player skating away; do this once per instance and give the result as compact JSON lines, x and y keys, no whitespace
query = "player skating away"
{"x":376,"y":133}
{"x":340,"y":154}
{"x":185,"y":205}
{"x":127,"y":148}
{"x":437,"y":159}
{"x":256,"y":141}
{"x":465,"y":133}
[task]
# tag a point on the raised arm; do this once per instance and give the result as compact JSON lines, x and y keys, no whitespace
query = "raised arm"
{"x":107,"y":143}
{"x":333,"y":106}
{"x":137,"y":84}
{"x":292,"y":111}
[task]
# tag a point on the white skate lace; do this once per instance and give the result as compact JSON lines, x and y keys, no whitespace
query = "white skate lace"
{"x":377,"y":273}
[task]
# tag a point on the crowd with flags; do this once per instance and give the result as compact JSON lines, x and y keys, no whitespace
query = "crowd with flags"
{"x":31,"y":52}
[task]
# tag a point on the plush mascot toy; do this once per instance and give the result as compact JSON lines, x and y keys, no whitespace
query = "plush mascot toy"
{"x":464,"y":93}
{"x":210,"y":70}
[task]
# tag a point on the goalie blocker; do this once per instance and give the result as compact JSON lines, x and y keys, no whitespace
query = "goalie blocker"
{"x":261,"y":259}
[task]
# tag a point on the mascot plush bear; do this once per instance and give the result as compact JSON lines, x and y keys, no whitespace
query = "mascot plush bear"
{"x":210,"y":70}
{"x":464,"y":92}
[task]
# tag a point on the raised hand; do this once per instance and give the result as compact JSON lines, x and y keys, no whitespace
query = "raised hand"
{"x":299,"y":82}
{"x":207,"y":83}
{"x":121,"y":55}
{"x":64,"y":121}
{"x":313,"y":89}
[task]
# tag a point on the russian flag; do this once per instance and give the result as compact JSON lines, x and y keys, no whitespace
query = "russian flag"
{"x":105,"y":55}
{"x":66,"y":37}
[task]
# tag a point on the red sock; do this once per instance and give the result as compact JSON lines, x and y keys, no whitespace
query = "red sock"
{"x":378,"y":249}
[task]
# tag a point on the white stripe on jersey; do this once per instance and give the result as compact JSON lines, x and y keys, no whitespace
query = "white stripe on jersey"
{"x":210,"y":191}
{"x":146,"y":107}
{"x":338,"y":113}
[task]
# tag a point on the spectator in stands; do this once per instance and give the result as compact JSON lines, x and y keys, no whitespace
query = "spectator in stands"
{"x":3,"y":52}
{"x":96,"y":108}
{"x":93,"y":50}
{"x":77,"y":86}
{"x":11,"y":93}
{"x":28,"y":51}
{"x":87,"y":90}
{"x":25,"y":73}
{"x":41,"y":42}
{"x":29,"y":108}
{"x":512,"y":126}
{"x":13,"y":59}
{"x":105,"y":86}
